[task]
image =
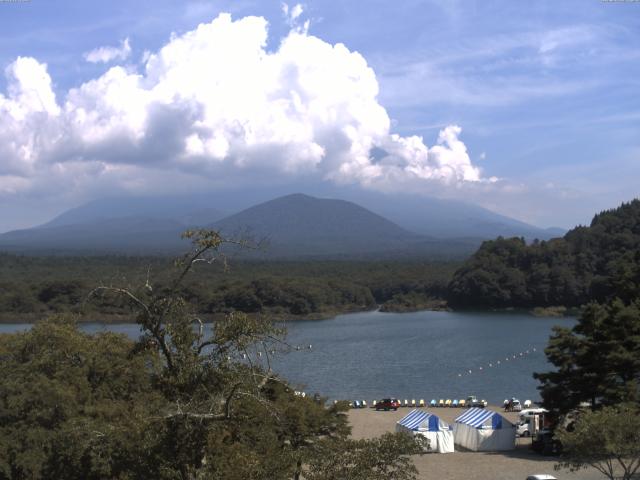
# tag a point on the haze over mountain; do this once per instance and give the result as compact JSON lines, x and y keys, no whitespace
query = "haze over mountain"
{"x":131,"y":235}
{"x":186,"y":210}
{"x":446,"y":218}
{"x":295,"y":225}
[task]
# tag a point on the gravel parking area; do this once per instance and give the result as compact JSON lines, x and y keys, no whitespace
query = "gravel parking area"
{"x":465,"y":465}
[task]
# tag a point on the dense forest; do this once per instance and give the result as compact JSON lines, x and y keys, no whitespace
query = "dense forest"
{"x":32,"y":287}
{"x":598,"y":262}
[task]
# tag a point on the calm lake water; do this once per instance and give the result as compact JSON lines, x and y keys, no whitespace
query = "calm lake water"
{"x":410,"y":355}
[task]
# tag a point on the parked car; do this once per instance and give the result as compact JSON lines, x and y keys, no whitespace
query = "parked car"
{"x":542,"y":476}
{"x":523,"y":429}
{"x":388,"y":404}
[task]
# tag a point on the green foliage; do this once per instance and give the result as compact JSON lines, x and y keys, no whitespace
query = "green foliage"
{"x":383,"y":458}
{"x":183,"y":402}
{"x":73,"y":406}
{"x":599,"y":262}
{"x":607,"y":440}
{"x":597,"y":361}
{"x":33,"y":286}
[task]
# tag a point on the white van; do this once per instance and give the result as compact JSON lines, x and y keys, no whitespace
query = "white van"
{"x":530,"y":422}
{"x":530,"y":412}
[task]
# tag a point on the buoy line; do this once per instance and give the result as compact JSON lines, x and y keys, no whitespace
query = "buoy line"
{"x":497,"y":363}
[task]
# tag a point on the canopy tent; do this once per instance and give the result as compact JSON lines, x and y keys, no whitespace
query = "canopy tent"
{"x":438,"y":433}
{"x":484,"y":430}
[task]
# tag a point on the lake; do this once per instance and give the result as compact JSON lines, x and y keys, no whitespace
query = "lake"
{"x":426,"y":354}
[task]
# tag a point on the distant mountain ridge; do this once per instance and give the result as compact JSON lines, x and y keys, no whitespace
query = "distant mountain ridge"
{"x":131,"y":235}
{"x":296,"y":225}
{"x":183,"y":210}
{"x":446,"y":218}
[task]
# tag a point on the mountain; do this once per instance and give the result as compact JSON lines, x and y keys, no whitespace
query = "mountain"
{"x":146,"y":225}
{"x":186,"y":210}
{"x":134,"y":235}
{"x":296,"y":225}
{"x":299,"y":224}
{"x":430,"y":216}
{"x":446,"y":218}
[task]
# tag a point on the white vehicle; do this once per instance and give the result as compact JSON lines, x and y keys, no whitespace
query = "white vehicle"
{"x":524,"y":429}
{"x":542,"y":476}
{"x":531,"y":421}
{"x":530,"y":412}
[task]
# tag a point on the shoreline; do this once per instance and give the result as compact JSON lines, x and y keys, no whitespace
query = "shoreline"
{"x":115,"y":319}
{"x":7,"y":318}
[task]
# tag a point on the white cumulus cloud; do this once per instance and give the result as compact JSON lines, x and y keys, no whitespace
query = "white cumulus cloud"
{"x":214,"y":103}
{"x":109,"y":54}
{"x":292,"y":14}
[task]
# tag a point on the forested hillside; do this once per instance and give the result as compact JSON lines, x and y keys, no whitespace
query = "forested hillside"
{"x":598,"y":262}
{"x":32,"y":287}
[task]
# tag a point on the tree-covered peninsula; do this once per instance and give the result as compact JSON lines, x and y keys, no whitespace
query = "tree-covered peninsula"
{"x":596,"y":262}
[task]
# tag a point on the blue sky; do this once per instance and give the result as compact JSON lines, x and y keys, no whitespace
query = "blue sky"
{"x":538,"y":101}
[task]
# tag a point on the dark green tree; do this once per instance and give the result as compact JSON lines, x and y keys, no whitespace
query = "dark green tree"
{"x":597,"y":361}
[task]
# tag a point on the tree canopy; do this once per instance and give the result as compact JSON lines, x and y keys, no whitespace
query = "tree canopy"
{"x":32,"y":287}
{"x":607,"y":440}
{"x":599,"y":262}
{"x":597,"y":361}
{"x":182,"y":402}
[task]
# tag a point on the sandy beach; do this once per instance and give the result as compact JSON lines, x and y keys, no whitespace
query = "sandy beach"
{"x":465,"y":465}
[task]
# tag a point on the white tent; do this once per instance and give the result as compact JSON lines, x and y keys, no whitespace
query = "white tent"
{"x":484,"y":430}
{"x":438,"y":433}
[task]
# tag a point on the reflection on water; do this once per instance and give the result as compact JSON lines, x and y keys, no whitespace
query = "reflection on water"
{"x":410,"y":355}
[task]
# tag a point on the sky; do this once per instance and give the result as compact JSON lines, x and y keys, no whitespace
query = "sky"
{"x":530,"y":109}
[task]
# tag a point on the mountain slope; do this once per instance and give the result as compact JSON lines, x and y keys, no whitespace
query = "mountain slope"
{"x":446,"y":218}
{"x":430,"y":216}
{"x":133,"y":235}
{"x":303,"y":225}
{"x":186,"y":210}
{"x":150,"y":225}
{"x":297,"y":225}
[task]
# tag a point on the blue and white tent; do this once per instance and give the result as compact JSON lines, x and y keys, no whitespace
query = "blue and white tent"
{"x":438,"y":433}
{"x":484,"y":430}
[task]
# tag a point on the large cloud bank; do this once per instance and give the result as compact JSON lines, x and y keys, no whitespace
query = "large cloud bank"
{"x":215,"y":104}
